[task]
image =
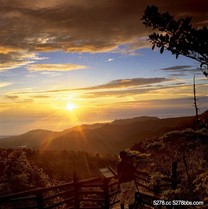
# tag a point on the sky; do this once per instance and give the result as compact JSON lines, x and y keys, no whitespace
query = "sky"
{"x":70,"y":62}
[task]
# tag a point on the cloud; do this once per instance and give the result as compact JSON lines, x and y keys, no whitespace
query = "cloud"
{"x":164,"y":107}
{"x":136,"y":90}
{"x":116,"y":93}
{"x":80,"y":26}
{"x":181,"y":70}
{"x":175,"y":101}
{"x":11,"y":60}
{"x":55,"y":67}
{"x":41,"y":97}
{"x":12,"y":97}
{"x":126,"y":83}
{"x":177,"y":68}
{"x":5,"y":84}
{"x":110,"y":60}
{"x":121,"y":84}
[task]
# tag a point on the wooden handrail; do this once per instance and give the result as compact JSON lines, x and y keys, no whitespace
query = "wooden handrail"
{"x":103,"y":190}
{"x":85,"y":181}
{"x":34,"y":191}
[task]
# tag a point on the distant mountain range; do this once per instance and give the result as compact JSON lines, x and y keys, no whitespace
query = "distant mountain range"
{"x":108,"y":138}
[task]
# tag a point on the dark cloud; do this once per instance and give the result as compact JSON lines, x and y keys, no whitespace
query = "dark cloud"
{"x":136,"y":90}
{"x":115,"y":84}
{"x":181,"y":70}
{"x":125,"y":83}
{"x":176,"y":68}
{"x":118,"y":93}
{"x":82,"y":26}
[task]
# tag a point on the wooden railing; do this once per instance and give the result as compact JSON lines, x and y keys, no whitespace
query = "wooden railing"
{"x":150,"y":191}
{"x":91,"y":193}
{"x":94,"y":193}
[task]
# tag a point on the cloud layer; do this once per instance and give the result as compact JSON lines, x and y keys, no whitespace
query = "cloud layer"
{"x":79,"y":26}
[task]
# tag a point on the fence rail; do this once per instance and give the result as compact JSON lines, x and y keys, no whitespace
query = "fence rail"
{"x":93,"y":193}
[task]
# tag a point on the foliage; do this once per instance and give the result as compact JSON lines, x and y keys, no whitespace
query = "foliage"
{"x":19,"y":174}
{"x":189,"y":149}
{"x":62,"y":165}
{"x":23,"y":169}
{"x":201,"y":183}
{"x":155,"y":179}
{"x":139,"y":159}
{"x":170,"y":194}
{"x":179,"y":37}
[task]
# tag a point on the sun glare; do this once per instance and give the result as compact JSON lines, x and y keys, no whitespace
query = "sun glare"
{"x":71,"y":106}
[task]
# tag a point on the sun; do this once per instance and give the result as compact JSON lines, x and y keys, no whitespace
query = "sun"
{"x":71,"y":106}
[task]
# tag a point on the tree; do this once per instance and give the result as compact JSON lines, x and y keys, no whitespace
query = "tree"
{"x":179,"y":37}
{"x":19,"y":174}
{"x":195,"y":104}
{"x":186,"y":147}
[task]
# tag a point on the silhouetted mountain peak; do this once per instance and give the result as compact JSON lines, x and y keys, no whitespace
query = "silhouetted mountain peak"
{"x":102,"y":137}
{"x":37,"y":131}
{"x":134,"y":120}
{"x":84,"y":126}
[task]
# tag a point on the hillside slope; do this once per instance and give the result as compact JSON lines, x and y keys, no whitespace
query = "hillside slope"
{"x":31,"y":139}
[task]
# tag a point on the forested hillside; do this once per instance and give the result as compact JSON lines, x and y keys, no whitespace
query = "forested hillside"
{"x":23,"y":168}
{"x":188,"y":149}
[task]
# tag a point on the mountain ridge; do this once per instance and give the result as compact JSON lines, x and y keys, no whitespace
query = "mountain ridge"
{"x":101,"y":137}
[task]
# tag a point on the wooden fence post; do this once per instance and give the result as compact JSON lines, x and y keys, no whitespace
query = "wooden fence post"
{"x":106,"y":193}
{"x":40,"y":201}
{"x":76,"y":190}
{"x":174,"y":175}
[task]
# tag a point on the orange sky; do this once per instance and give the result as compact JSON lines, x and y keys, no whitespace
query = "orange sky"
{"x":95,"y":56}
